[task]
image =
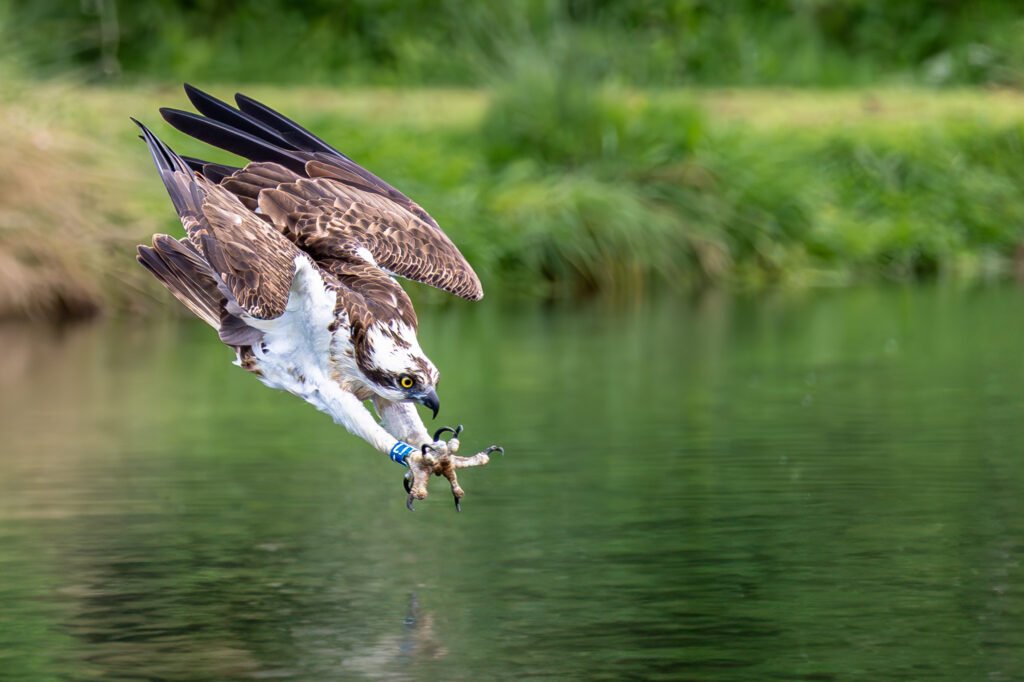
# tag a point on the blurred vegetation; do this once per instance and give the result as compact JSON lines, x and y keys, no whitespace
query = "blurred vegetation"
{"x":556,"y":173}
{"x":642,"y":42}
{"x":554,"y":188}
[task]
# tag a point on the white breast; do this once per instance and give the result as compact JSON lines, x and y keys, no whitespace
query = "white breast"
{"x":295,"y":355}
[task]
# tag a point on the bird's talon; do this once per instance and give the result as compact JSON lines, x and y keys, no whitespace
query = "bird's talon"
{"x":427,"y":458}
{"x":438,"y":459}
{"x":447,"y":429}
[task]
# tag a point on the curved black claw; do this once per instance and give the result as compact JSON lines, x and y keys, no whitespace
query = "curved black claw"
{"x":425,"y":447}
{"x":408,"y":502}
{"x":447,"y":429}
{"x":407,"y":482}
{"x":458,"y":503}
{"x":495,"y":448}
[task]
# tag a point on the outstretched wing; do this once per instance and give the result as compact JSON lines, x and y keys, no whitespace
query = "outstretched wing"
{"x":329,"y":219}
{"x":321,"y":199}
{"x":250,"y":262}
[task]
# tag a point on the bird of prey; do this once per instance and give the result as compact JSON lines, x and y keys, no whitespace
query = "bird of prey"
{"x":293,"y":258}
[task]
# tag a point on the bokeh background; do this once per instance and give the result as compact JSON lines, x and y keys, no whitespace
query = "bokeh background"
{"x":752,"y":342}
{"x":570,"y":147}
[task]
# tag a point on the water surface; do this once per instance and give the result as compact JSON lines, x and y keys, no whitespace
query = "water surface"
{"x":822,"y":486}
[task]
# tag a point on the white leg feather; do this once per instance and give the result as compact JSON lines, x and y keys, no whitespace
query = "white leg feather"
{"x":348,"y":411}
{"x":402,"y":421}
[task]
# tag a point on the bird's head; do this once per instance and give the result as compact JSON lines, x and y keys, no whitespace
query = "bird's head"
{"x":397,"y":369}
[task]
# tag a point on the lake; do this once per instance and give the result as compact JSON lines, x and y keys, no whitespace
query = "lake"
{"x":821,"y":485}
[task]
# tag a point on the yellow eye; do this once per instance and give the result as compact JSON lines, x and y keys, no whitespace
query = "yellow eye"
{"x":406,"y":381}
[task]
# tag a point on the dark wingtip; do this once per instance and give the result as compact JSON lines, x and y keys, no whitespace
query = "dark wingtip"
{"x":142,"y":126}
{"x":193,"y":93}
{"x":200,"y":98}
{"x":169,"y":112}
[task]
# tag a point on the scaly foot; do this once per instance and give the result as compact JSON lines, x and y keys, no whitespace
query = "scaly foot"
{"x":438,"y":458}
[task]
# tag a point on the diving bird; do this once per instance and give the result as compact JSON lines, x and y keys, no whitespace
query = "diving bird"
{"x":293,"y":258}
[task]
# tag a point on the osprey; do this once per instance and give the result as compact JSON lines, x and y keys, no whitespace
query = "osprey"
{"x":292,"y":260}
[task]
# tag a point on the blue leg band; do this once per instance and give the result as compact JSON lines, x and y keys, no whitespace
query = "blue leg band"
{"x":399,"y":452}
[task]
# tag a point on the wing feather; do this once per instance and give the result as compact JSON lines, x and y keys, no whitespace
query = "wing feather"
{"x":294,"y":173}
{"x":255,"y":261}
{"x":180,"y":268}
{"x":347,"y":219}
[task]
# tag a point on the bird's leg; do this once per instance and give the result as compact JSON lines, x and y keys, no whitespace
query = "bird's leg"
{"x":436,"y":457}
{"x":402,"y":421}
{"x":421,"y":465}
{"x":427,"y":462}
{"x":447,"y":467}
{"x":348,"y":410}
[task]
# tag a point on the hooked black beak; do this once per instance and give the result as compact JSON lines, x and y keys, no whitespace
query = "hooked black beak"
{"x":430,"y":400}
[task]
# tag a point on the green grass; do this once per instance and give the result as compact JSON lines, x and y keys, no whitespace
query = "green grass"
{"x":556,"y":189}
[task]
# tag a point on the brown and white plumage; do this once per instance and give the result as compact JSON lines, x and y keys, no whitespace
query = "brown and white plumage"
{"x":291,"y":259}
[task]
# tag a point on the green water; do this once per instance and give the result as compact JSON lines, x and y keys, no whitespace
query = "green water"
{"x":824,"y":486}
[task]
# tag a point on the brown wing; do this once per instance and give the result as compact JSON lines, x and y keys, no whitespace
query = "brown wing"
{"x":254,"y":261}
{"x":306,"y":176}
{"x":328,"y":219}
{"x":377,"y":297}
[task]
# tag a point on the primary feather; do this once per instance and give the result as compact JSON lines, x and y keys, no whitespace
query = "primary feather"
{"x":365,"y":212}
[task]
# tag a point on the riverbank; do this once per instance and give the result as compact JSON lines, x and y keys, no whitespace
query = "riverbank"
{"x":553,"y":189}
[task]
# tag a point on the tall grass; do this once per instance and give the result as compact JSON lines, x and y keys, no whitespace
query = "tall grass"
{"x":575,"y":182}
{"x":60,"y":228}
{"x":610,"y":189}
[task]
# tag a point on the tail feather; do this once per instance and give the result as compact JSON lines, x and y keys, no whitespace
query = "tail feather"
{"x":180,"y":268}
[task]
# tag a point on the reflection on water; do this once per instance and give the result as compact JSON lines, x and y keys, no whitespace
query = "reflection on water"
{"x":822,"y":486}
